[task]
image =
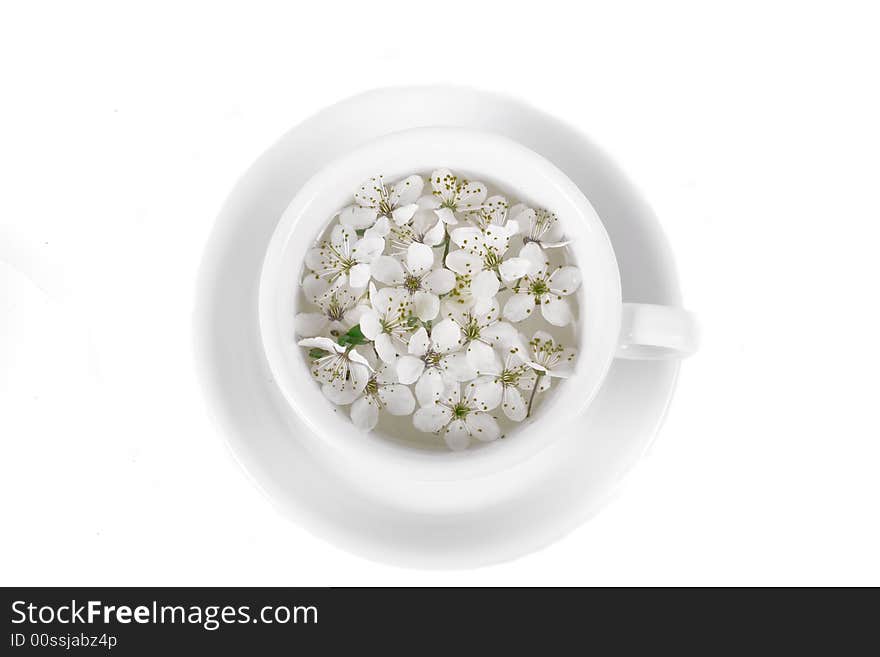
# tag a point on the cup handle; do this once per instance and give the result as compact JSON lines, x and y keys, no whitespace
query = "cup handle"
{"x":652,"y":332}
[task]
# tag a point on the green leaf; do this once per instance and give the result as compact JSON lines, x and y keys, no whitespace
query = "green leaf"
{"x":316,"y":353}
{"x":352,"y":337}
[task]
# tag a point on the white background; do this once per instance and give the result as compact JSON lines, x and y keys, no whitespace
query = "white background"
{"x":752,"y":129}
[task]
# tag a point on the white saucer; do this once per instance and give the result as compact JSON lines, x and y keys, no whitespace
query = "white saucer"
{"x":537,"y":502}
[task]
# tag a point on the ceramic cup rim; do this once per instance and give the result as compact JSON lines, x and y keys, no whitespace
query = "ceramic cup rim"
{"x":475,"y":152}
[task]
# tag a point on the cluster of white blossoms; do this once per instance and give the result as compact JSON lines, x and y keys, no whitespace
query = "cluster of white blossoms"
{"x":417,"y":297}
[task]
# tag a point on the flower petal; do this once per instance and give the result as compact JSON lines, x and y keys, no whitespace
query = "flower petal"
{"x":419,"y":342}
{"x":369,"y":194}
{"x":314,"y":287}
{"x":518,"y":307}
{"x":543,"y":338}
{"x":403,"y":214}
{"x":481,"y":357}
{"x":425,"y":305}
{"x":343,"y":237}
{"x":469,"y":238}
{"x":435,"y":235}
{"x":357,"y":217}
{"x":398,"y":399}
{"x":359,"y":276}
{"x":456,"y":436}
{"x":514,"y":268}
{"x":485,"y":285}
{"x":497,"y":238}
{"x":495,"y":209}
{"x":428,"y":202}
{"x":321,"y":343}
{"x":368,"y":249}
{"x":499,"y":334}
{"x":384,"y":347}
{"x":443,"y":184}
{"x":470,"y":196}
{"x":364,"y":413}
{"x":524,"y":216}
{"x":391,"y":301}
{"x":553,"y":235}
{"x":482,"y":426}
{"x":536,"y":257}
{"x":429,"y":387}
{"x":308,"y":325}
{"x":483,"y":396}
{"x":445,"y":336}
{"x":409,"y":369}
{"x":514,"y":404}
{"x":370,"y":325}
{"x":342,"y":392}
{"x":315,"y":260}
{"x":379,"y":229}
{"x":565,"y":366}
{"x":452,"y":394}
{"x":439,"y":281}
{"x":483,"y":305}
{"x":556,"y":310}
{"x":406,"y":191}
{"x":462,"y":262}
{"x":419,"y":258}
{"x":565,"y":280}
{"x":432,"y":419}
{"x":446,"y":216}
{"x":386,"y":373}
{"x":388,"y":270}
{"x":456,"y":368}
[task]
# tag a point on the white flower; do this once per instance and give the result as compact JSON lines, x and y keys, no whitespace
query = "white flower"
{"x":539,"y":287}
{"x":538,"y":226}
{"x":433,"y":361}
{"x":507,"y":378}
{"x":481,"y":333}
{"x":381,"y":392}
{"x":340,"y":308}
{"x":386,"y":323}
{"x":376,"y":200}
{"x":344,"y":258}
{"x":481,"y":256}
{"x":493,"y":212}
{"x":545,"y":358}
{"x":416,"y":277}
{"x":454,"y":195}
{"x":425,"y":228}
{"x":459,"y":419}
{"x":342,"y":370}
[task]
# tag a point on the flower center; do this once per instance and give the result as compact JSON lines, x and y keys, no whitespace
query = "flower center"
{"x":539,"y":288}
{"x":547,"y":352}
{"x":432,"y":358}
{"x":510,"y":377}
{"x":372,"y":387}
{"x":460,"y":411}
{"x":412,"y":283}
{"x":543,"y":221}
{"x":492,"y":259}
{"x":335,"y":309}
{"x":471,"y":330}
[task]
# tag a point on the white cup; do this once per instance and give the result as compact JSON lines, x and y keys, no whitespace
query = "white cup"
{"x":606,"y":327}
